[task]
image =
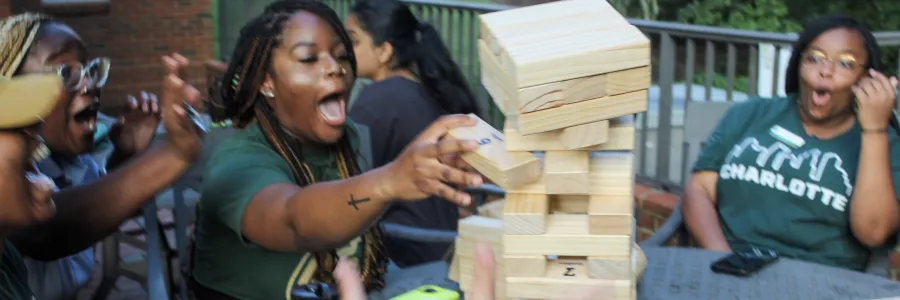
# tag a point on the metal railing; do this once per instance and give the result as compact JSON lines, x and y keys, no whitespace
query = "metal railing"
{"x":689,"y":63}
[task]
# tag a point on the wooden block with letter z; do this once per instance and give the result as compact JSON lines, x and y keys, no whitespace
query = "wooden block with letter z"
{"x":506,"y":169}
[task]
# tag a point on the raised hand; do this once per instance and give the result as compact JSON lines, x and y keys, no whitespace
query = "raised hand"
{"x":875,"y":98}
{"x":182,"y":136}
{"x":419,"y":172}
{"x":27,"y":193}
{"x":137,"y":125}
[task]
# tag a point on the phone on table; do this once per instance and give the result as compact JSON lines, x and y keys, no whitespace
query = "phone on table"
{"x":429,"y":292}
{"x":745,"y":263}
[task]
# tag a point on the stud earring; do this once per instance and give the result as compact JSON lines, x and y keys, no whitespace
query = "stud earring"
{"x":343,"y":71}
{"x":267,"y":94}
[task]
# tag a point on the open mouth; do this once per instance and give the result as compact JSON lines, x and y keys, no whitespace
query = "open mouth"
{"x":333,"y":108}
{"x":821,"y":97}
{"x":86,"y":116}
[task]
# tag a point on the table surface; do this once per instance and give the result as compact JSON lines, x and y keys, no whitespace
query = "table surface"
{"x":683,"y":273}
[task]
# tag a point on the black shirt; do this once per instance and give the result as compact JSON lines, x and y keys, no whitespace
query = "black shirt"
{"x":396,"y":110}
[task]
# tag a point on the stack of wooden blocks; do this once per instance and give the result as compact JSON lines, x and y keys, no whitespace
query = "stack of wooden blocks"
{"x":569,"y":76}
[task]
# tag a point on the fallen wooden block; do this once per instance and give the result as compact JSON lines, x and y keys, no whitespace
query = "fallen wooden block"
{"x":506,"y":169}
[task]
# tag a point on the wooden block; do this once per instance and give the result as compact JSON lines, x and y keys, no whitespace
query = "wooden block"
{"x":567,"y":172}
{"x":600,"y":267}
{"x":569,"y":204}
{"x":493,"y":209}
{"x":567,"y":278}
{"x":584,"y":112}
{"x":567,"y":235}
{"x":525,"y":265}
{"x":611,"y":174}
{"x":571,"y":91}
{"x":611,"y":215}
{"x":547,"y":54}
{"x":585,"y":135}
{"x":619,"y":137}
{"x":506,"y":169}
{"x":454,"y":269}
{"x":481,"y":229}
{"x":525,"y":213}
{"x":466,"y":247}
{"x":529,"y":20}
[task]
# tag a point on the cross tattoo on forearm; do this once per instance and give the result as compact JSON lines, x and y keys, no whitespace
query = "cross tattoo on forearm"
{"x":353,"y":202}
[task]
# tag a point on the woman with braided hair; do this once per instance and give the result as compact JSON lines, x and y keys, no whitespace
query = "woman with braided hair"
{"x":286,"y":197}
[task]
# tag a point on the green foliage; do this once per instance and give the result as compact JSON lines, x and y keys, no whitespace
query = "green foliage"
{"x":761,"y":15}
{"x":741,"y":83}
{"x":641,"y":9}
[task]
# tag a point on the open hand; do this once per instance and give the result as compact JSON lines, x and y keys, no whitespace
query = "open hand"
{"x":418,"y":171}
{"x":27,"y":193}
{"x":875,"y":99}
{"x":137,"y":125}
{"x":182,"y":135}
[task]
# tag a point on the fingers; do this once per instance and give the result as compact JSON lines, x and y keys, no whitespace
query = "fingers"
{"x":880,"y":83}
{"x":448,"y":146}
{"x":154,"y":103}
{"x":176,"y":64}
{"x":217,"y":65}
{"x":435,"y":170}
{"x":443,"y":125}
{"x":350,"y":285}
{"x":484,"y":279}
{"x":440,"y":189}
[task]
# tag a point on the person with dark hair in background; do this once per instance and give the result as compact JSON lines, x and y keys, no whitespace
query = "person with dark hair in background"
{"x":286,"y":197}
{"x":814,"y":175}
{"x":416,"y":81}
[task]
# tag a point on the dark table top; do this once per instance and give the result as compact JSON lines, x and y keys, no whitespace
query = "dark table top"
{"x":684,"y":273}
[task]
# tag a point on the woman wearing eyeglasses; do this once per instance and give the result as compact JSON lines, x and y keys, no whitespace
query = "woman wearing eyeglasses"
{"x":89,"y":208}
{"x":814,"y":175}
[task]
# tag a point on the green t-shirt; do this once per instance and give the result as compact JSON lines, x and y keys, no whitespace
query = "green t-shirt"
{"x":225,"y":260}
{"x":782,"y":189}
{"x":13,"y":275}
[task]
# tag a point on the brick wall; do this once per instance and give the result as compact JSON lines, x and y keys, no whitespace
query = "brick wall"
{"x":655,"y":207}
{"x":134,"y":34}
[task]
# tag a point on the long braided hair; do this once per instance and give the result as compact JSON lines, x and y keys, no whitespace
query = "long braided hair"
{"x":241,"y":102}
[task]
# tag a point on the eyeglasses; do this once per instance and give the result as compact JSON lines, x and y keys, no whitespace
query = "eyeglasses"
{"x":78,"y":77}
{"x":844,"y":62}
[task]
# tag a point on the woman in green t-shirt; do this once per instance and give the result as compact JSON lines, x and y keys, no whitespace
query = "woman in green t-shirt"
{"x":814,"y":175}
{"x":286,"y":196}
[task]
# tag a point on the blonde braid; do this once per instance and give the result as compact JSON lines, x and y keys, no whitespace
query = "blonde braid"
{"x":16,"y":37}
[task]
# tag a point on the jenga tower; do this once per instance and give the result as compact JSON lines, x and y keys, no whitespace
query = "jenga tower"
{"x":569,"y":76}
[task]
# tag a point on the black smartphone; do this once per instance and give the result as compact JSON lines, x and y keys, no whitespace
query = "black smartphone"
{"x":745,"y":263}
